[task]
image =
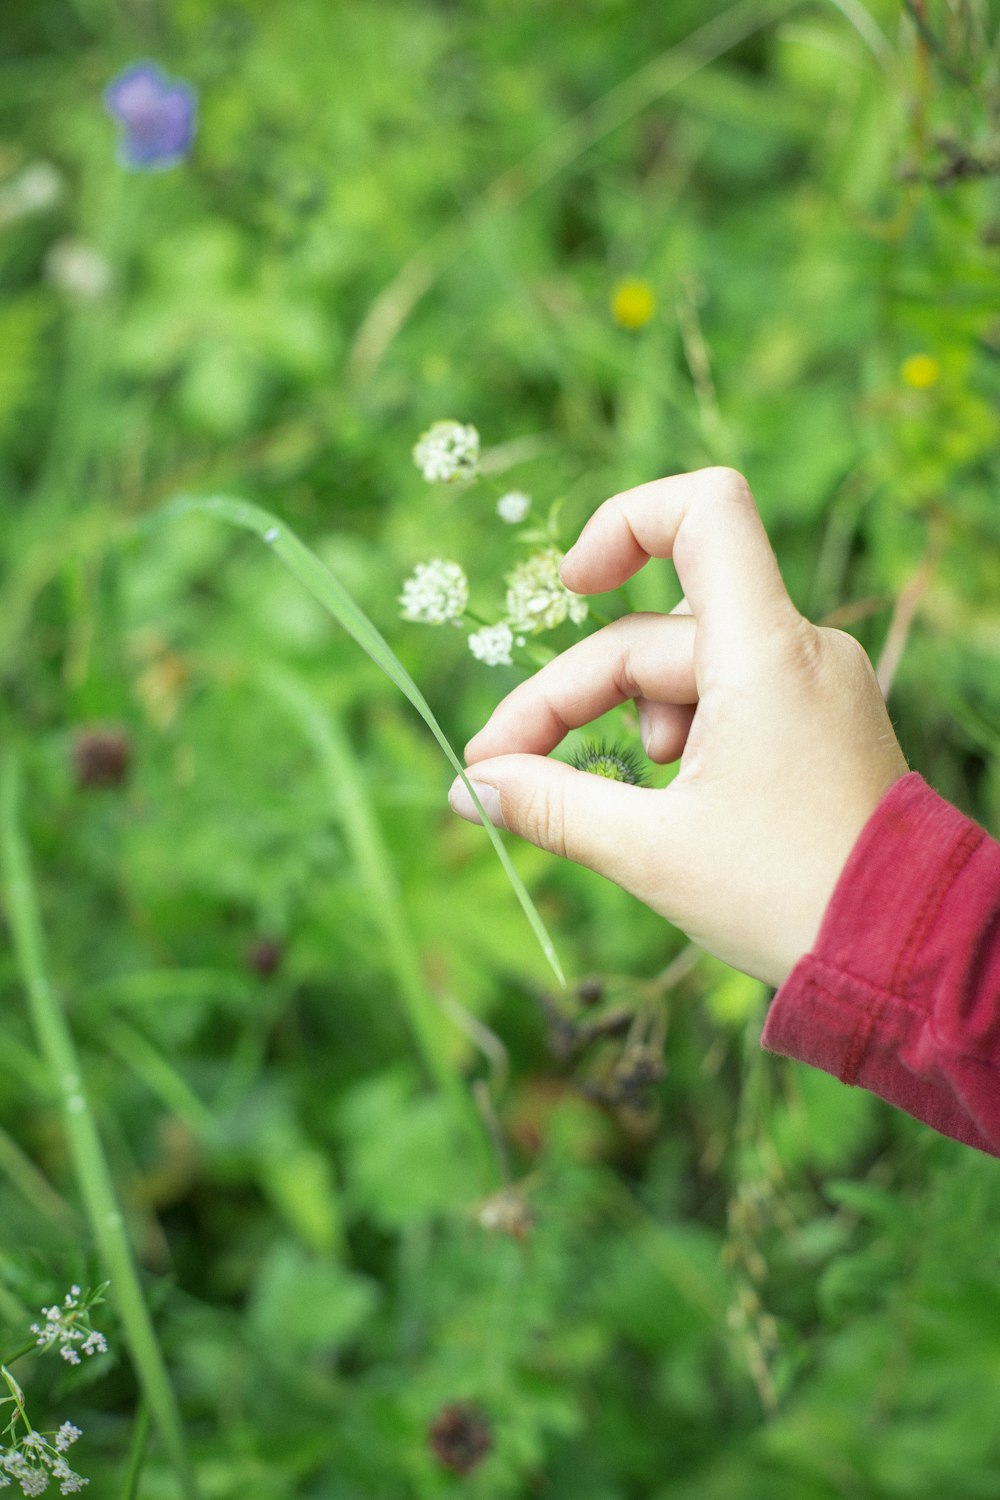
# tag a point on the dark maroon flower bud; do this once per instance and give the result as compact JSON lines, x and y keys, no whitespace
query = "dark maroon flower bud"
{"x":590,"y":991}
{"x":101,"y":757}
{"x":264,"y":955}
{"x":460,"y":1437}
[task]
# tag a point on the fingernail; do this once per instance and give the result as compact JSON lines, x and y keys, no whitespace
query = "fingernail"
{"x":461,"y":803}
{"x":566,"y":559}
{"x":645,"y":727}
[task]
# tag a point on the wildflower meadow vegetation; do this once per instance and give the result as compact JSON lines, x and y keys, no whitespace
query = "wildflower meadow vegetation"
{"x":349,"y":1152}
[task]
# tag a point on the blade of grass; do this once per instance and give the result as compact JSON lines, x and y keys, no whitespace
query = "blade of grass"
{"x":373,"y":863}
{"x":93,"y":1175}
{"x":161,"y":1078}
{"x":33,"y":1187}
{"x":330,"y":592}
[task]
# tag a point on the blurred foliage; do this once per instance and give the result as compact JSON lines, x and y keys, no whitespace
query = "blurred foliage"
{"x":683,"y":1268}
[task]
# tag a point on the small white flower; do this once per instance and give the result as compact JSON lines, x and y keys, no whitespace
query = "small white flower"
{"x":447,"y":451}
{"x":513,"y":507}
{"x":435,"y":594}
{"x":78,"y":269}
{"x":492,"y":645}
{"x":537,"y":599}
{"x":37,"y":187}
{"x":34,"y":1461}
{"x":68,"y":1326}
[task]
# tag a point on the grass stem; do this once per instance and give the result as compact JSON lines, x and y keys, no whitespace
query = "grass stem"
{"x":90,"y":1166}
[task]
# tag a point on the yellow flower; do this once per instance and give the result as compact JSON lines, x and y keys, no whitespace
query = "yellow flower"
{"x":920,"y":371}
{"x":633,"y":303}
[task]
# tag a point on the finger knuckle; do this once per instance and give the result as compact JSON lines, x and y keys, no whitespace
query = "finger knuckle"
{"x":849,"y":651}
{"x":544,"y":821}
{"x":729,"y":485}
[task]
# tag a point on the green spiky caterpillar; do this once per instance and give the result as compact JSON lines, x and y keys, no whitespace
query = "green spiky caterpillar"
{"x":614,"y":762}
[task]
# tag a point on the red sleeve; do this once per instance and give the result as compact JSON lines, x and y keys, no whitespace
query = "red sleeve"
{"x":901,"y":993}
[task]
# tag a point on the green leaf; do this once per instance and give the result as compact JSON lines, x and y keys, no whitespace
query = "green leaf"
{"x":309,"y":1303}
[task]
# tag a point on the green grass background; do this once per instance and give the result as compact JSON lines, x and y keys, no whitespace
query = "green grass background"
{"x":747,"y":1282}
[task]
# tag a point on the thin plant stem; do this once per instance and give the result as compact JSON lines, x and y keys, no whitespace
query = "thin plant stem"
{"x":26,"y":1348}
{"x":90,"y":1166}
{"x":137,"y":1453}
{"x":904,"y":614}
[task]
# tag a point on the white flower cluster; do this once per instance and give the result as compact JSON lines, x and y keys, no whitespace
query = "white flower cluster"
{"x":436,"y":593}
{"x":448,"y":451}
{"x":68,"y":1327}
{"x":492,"y":645}
{"x":34,"y":1462}
{"x":513,"y":507}
{"x":537,"y":598}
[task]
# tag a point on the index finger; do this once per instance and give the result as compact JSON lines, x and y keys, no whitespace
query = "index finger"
{"x":641,"y":656}
{"x":708,"y":523}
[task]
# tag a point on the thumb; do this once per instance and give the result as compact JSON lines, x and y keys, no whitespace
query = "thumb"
{"x":618,"y":830}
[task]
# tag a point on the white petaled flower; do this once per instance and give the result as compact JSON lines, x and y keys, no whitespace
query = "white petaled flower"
{"x":436,"y":593}
{"x":67,"y":1328}
{"x":513,"y":507}
{"x":34,"y":1461}
{"x":537,"y":598}
{"x":78,"y":269}
{"x":492,"y":645}
{"x":448,"y":451}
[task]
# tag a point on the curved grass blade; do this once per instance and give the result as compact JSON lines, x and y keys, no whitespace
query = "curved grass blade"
{"x":330,"y":592}
{"x":349,"y":795}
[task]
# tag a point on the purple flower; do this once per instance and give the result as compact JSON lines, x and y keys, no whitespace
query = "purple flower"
{"x":156,"y":115}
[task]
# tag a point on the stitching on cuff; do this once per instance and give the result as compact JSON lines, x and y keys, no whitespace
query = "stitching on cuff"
{"x":926,"y":916}
{"x":820,"y":989}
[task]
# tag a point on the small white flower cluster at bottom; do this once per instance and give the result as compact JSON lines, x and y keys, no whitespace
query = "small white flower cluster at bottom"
{"x":34,"y":1462}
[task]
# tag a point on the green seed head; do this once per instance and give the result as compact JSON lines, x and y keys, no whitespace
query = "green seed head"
{"x":611,"y":761}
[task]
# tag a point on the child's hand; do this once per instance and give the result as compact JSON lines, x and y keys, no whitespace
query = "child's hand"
{"x":784,"y":741}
